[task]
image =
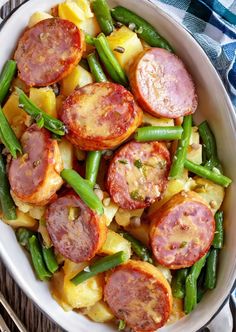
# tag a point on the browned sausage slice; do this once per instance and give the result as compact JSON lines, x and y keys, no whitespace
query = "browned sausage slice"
{"x":75,"y":230}
{"x":138,"y":173}
{"x":182,"y":230}
{"x":139,"y":294}
{"x":35,"y":176}
{"x":48,"y":51}
{"x":162,"y":85}
{"x":100,"y":116}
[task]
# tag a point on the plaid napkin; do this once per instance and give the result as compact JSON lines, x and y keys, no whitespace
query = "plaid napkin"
{"x":213,"y":24}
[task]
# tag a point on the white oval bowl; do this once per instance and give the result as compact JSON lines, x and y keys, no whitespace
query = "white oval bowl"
{"x":214,"y":106}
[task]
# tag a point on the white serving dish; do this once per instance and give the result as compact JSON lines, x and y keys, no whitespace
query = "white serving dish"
{"x":214,"y":106}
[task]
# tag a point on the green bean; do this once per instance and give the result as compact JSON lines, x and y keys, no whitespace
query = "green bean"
{"x":6,"y":77}
{"x":23,"y":235}
{"x":37,"y":259}
{"x":8,"y":136}
{"x":207,"y":174}
{"x":140,"y":250}
{"x":7,"y":203}
{"x":90,"y":40}
{"x":211,"y":269}
{"x":178,"y":283}
{"x":201,"y":289}
{"x":83,"y":189}
{"x":50,"y":259}
{"x":112,"y":65}
{"x":108,"y":66}
{"x":52,"y":124}
{"x":153,"y":133}
{"x":96,"y":68}
{"x":121,"y":325}
{"x":103,"y":16}
{"x":219,"y":233}
{"x":209,"y":145}
{"x":145,"y":30}
{"x":92,"y":166}
{"x":103,"y":264}
{"x":181,"y":152}
{"x":190,"y":299}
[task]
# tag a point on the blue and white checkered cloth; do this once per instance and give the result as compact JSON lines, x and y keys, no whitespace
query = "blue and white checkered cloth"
{"x":213,"y":24}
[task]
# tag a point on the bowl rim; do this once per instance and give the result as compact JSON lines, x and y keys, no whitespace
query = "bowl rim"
{"x":230,"y":109}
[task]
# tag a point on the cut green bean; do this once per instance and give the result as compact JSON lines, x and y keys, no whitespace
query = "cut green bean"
{"x":153,"y":133}
{"x":6,"y":77}
{"x":190,"y":300}
{"x":211,"y":269}
{"x":218,"y":240}
{"x":23,"y":235}
{"x":101,"y":265}
{"x":178,"y":283}
{"x":140,"y":250}
{"x":50,"y":259}
{"x":209,"y":146}
{"x":204,"y":172}
{"x":37,"y":259}
{"x":90,"y":40}
{"x":7,"y":203}
{"x":52,"y":124}
{"x":145,"y":30}
{"x":83,"y":189}
{"x":96,"y":68}
{"x":8,"y":136}
{"x":112,"y":65}
{"x":181,"y":152}
{"x":103,"y":16}
{"x":92,"y":166}
{"x":108,"y":66}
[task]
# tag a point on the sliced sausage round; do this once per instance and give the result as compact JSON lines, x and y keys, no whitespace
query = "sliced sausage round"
{"x":139,"y":294}
{"x":137,"y":175}
{"x":48,"y":51}
{"x":181,"y":231}
{"x":76,"y":231}
{"x":162,"y":85}
{"x":35,"y":176}
{"x":100,"y":116}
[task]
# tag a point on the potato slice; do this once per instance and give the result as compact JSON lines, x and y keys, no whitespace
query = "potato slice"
{"x":90,"y":26}
{"x":152,"y":121}
{"x":99,"y":313}
{"x":129,"y":41}
{"x":56,"y":288}
{"x":211,"y":192}
{"x":194,"y":153}
{"x":141,"y":233}
{"x":84,"y":5}
{"x":17,"y":118}
{"x":115,"y":243}
{"x":66,"y":151}
{"x":45,"y":99}
{"x":37,"y":17}
{"x":22,"y":220}
{"x":123,"y":216}
{"x":70,"y":11}
{"x":77,"y":78}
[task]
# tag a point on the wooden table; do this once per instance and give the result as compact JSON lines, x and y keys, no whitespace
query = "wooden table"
{"x":28,"y":313}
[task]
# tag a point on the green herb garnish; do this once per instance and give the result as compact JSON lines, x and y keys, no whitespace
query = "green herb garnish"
{"x":125,"y":162}
{"x":135,"y":195}
{"x":138,"y":163}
